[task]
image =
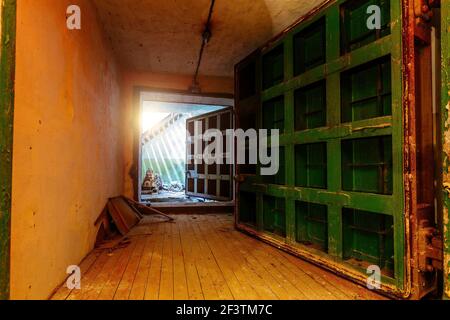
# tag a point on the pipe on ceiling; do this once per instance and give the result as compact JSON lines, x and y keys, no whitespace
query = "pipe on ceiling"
{"x":206,"y":37}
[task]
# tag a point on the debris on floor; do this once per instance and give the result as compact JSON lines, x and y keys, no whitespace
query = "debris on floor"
{"x":124,"y":215}
{"x":120,"y":216}
{"x":113,"y":245}
{"x":116,"y":220}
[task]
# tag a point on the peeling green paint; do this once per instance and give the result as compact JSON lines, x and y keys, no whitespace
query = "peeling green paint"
{"x":7,"y":69}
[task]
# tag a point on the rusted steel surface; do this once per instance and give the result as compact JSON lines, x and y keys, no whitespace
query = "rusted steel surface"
{"x":408,"y":123}
{"x":419,"y":213}
{"x":7,"y":69}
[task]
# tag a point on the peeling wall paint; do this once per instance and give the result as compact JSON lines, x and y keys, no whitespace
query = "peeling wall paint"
{"x":67,"y":142}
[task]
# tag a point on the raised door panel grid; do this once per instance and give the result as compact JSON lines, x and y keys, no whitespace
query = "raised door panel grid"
{"x":310,"y":106}
{"x":247,"y":100}
{"x":367,"y":165}
{"x":311,"y":165}
{"x":208,"y":180}
{"x":366,"y":91}
{"x":280,"y":177}
{"x":273,"y":67}
{"x":309,"y":47}
{"x":247,"y":209}
{"x":274,"y":214}
{"x":312,"y":225}
{"x":273,"y":114}
{"x":247,"y":81}
{"x":338,"y":106}
{"x":369,"y":239}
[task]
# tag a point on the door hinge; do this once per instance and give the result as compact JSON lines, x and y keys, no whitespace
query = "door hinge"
{"x":430,"y":248}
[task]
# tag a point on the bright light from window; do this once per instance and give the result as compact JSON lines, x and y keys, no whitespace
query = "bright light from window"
{"x":150,"y":119}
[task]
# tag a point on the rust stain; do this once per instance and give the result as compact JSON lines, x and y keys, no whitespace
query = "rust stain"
{"x":446,"y":256}
{"x":446,"y":185}
{"x":446,"y":149}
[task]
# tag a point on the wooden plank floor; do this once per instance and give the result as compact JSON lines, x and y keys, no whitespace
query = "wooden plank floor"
{"x":203,"y":257}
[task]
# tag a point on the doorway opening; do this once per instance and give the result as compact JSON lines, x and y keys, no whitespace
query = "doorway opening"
{"x":166,"y":169}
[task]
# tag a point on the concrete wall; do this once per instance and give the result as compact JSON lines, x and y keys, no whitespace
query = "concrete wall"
{"x":133,"y":80}
{"x":68,"y":155}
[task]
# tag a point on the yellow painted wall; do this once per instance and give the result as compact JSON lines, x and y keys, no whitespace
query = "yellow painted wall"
{"x":68,"y":155}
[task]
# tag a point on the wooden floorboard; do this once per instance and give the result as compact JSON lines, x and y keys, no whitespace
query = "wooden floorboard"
{"x":154,"y":274}
{"x":203,"y":257}
{"x":166,"y":284}
{"x":140,"y":281}
{"x":194,"y":286}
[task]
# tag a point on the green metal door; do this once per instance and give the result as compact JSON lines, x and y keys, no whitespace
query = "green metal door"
{"x":334,"y":89}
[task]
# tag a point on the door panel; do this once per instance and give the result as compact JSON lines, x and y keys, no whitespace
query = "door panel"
{"x":209,"y":181}
{"x":347,"y":110}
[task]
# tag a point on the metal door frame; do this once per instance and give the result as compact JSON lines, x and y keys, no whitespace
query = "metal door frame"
{"x":7,"y":76}
{"x":142,"y":94}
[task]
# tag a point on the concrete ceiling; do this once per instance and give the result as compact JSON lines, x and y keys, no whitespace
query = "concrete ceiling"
{"x":165,"y":35}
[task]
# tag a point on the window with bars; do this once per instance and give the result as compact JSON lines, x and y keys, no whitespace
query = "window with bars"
{"x":311,"y":225}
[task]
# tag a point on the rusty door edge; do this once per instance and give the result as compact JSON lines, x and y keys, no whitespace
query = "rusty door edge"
{"x":409,"y":165}
{"x":7,"y":76}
